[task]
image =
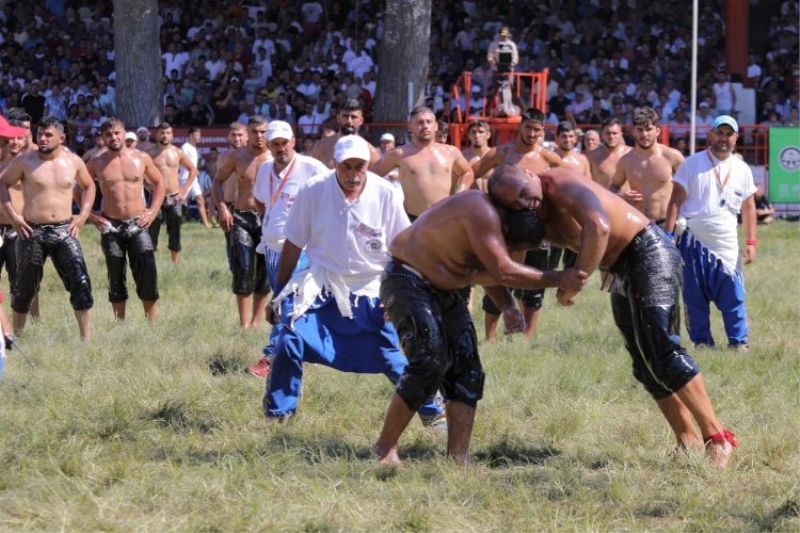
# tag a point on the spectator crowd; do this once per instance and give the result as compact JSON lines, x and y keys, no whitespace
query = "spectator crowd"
{"x":294,"y":61}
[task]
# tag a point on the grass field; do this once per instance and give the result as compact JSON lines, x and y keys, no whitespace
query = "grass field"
{"x":157,"y":428}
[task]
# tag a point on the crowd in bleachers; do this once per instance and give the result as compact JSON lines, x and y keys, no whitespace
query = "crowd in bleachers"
{"x":294,"y":60}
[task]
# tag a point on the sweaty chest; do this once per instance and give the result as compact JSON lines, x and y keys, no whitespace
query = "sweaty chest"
{"x":54,"y":174}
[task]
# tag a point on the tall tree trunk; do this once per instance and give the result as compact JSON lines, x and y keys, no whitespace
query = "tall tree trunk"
{"x":138,"y":62}
{"x":403,"y":59}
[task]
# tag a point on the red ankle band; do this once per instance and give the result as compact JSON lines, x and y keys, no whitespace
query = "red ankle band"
{"x":722,"y":436}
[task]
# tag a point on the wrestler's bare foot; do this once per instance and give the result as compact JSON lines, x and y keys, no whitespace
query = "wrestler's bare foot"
{"x":388,"y":458}
{"x":719,"y":453}
{"x":719,"y":447}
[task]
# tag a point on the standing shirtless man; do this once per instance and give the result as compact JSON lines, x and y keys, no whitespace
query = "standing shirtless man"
{"x":168,"y":159}
{"x":647,"y":169}
{"x":526,"y":152}
{"x":605,"y":157}
{"x":350,"y":116}
{"x":47,"y":225}
{"x":249,"y":269}
{"x":478,"y":133}
{"x":123,"y":221}
{"x":429,"y":171}
{"x":566,"y":144}
{"x":237,"y":137}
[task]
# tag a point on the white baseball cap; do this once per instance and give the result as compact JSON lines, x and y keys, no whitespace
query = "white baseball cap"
{"x":130,"y":136}
{"x":387,"y":137}
{"x":351,"y":147}
{"x":279,"y":129}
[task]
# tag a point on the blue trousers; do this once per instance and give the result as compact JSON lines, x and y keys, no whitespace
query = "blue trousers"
{"x":364,"y":344}
{"x":706,"y":280}
{"x":272,"y":259}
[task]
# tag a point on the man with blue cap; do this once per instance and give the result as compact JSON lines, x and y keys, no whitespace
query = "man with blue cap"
{"x":710,"y":189}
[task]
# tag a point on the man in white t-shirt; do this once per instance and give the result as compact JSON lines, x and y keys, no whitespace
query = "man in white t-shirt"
{"x":344,"y":219}
{"x":195,"y":191}
{"x":709,"y":190}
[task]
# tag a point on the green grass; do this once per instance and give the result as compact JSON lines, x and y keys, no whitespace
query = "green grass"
{"x":157,"y":428}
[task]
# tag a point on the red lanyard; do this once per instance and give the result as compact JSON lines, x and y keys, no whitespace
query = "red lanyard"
{"x":274,"y":197}
{"x":721,"y":183}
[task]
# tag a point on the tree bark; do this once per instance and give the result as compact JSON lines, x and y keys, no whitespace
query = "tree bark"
{"x":138,"y":62}
{"x":403,"y":59}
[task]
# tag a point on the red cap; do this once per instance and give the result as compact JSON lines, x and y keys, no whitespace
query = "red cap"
{"x":8,"y":131}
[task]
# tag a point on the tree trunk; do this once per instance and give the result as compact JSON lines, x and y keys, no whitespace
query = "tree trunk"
{"x":403,"y":59}
{"x":138,"y":62}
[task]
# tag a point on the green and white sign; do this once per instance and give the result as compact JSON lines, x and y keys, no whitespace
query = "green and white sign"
{"x":784,"y":165}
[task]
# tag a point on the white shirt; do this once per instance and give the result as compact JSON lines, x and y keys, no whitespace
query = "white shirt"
{"x":347,"y":243}
{"x":191,"y":151}
{"x":347,"y":238}
{"x":278,"y":194}
{"x":710,"y":209}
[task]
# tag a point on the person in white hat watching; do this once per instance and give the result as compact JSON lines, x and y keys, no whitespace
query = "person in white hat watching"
{"x":344,"y":220}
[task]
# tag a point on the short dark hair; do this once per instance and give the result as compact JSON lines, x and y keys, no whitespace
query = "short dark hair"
{"x":350,"y":104}
{"x":610,"y":121}
{"x":522,"y":227}
{"x":164,"y":125}
{"x":192,"y":129}
{"x":49,"y":121}
{"x":443,"y":126}
{"x":645,"y":116}
{"x":563,"y":126}
{"x":110,"y":123}
{"x":18,"y":115}
{"x":533,"y":114}
{"x":477,"y":124}
{"x":257,"y":120}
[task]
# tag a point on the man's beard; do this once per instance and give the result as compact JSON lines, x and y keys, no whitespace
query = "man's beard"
{"x":347,"y":130}
{"x":47,"y":149}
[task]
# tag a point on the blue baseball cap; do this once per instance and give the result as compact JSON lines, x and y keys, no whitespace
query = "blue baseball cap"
{"x":725,"y":120}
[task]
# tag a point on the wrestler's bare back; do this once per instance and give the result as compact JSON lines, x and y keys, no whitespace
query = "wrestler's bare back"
{"x":568,"y":196}
{"x":440,"y":247}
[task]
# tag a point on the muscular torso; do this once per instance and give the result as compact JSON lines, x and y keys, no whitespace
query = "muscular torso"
{"x":167,"y":160}
{"x":652,"y":177}
{"x":246,"y":166}
{"x":47,"y":186}
{"x":121,"y":180}
{"x":231,"y":185}
{"x":426,"y":175}
{"x":473,"y":155}
{"x":532,"y":160}
{"x":439,"y":248}
{"x":604,"y":163}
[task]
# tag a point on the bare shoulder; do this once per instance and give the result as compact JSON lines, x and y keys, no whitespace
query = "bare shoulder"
{"x":674,"y":156}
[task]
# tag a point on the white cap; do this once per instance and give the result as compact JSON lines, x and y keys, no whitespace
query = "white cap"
{"x":279,"y":129}
{"x":387,"y":137}
{"x":142,"y":128}
{"x":130,"y":136}
{"x":351,"y":147}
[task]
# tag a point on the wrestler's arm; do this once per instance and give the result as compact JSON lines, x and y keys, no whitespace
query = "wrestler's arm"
{"x":485,"y":163}
{"x":86,"y":183}
{"x":674,"y":207}
{"x":154,"y":177}
{"x":485,"y":237}
{"x":11,"y":176}
{"x":552,"y":158}
{"x":226,"y":167}
{"x":388,"y":162}
{"x":461,"y":168}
